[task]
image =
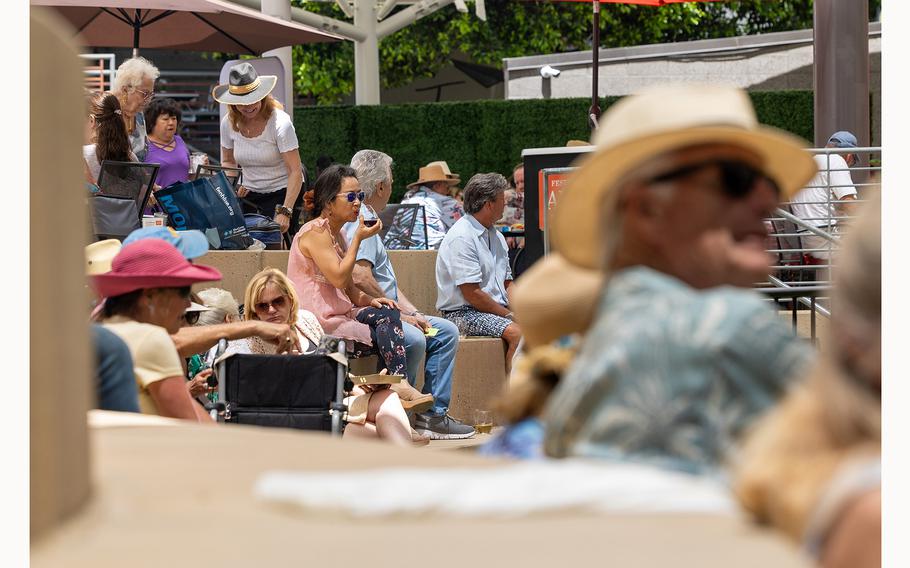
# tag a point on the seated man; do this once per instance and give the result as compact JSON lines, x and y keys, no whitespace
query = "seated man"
{"x":827,"y":198}
{"x":472,"y":268}
{"x":432,"y":191}
{"x":374,"y":274}
{"x":669,"y":210}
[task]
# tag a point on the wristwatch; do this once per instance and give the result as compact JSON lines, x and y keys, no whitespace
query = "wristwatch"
{"x":279,"y":209}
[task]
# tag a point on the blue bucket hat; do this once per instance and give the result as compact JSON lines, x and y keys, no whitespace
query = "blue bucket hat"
{"x":843,"y":139}
{"x":191,"y":244}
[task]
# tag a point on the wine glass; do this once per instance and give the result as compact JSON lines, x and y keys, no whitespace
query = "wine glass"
{"x":372,"y":218}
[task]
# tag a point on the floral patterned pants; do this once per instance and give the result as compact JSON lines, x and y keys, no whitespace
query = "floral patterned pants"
{"x":388,"y":338}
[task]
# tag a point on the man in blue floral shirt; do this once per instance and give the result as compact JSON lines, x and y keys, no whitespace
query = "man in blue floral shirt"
{"x":680,"y":358}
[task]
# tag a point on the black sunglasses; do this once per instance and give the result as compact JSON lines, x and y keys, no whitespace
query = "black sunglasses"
{"x":277,"y":303}
{"x":738,"y":177}
{"x":191,"y":317}
{"x":352,"y":196}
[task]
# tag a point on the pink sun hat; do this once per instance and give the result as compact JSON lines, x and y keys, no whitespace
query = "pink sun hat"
{"x":150,"y":263}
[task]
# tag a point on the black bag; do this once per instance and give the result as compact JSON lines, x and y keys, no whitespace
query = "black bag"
{"x":264,"y":230}
{"x":210,"y":205}
{"x":289,"y":391}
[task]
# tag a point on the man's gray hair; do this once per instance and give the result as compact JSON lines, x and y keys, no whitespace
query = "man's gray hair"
{"x":482,"y":189}
{"x":373,"y":167}
{"x":132,"y":71}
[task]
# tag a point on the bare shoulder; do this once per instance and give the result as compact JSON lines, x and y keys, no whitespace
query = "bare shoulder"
{"x":855,"y":539}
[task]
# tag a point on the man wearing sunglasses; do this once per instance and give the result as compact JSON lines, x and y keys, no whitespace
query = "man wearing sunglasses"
{"x":668,"y":215}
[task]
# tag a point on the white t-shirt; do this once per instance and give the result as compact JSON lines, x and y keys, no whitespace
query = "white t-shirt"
{"x":260,"y":157}
{"x":813,"y":203}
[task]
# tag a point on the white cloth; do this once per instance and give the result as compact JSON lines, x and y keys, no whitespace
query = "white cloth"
{"x":260,"y":157}
{"x":813,"y":204}
{"x":471,"y":254}
{"x":507,"y":491}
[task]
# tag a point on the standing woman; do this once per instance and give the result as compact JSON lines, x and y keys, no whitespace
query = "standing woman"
{"x":134,"y":85}
{"x":110,"y":138}
{"x":258,"y":136}
{"x":165,"y":146}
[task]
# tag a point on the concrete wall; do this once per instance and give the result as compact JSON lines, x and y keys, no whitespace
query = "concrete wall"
{"x":777,"y":61}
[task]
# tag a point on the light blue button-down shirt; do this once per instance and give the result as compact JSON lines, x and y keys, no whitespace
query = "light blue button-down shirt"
{"x":373,"y":250}
{"x":471,"y":254}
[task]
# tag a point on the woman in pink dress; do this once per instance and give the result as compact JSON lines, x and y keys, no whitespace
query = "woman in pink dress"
{"x":321,"y":264}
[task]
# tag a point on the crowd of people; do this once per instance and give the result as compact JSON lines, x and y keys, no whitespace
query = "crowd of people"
{"x":638,"y":339}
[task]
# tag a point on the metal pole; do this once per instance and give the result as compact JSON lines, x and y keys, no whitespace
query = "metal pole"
{"x":282,"y":9}
{"x":841,"y":70}
{"x":137,"y":27}
{"x":594,"y":111}
{"x":366,"y":54}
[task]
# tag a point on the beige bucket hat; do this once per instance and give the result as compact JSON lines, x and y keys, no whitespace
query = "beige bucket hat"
{"x":445,"y":168}
{"x":432,"y":174}
{"x":656,"y":121}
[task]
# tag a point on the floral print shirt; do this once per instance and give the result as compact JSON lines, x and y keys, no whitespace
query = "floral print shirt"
{"x":441,"y":213}
{"x":514,"y":213}
{"x":671,"y":375}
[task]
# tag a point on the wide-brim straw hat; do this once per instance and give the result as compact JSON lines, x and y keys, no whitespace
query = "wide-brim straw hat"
{"x":244,"y":86}
{"x":662,"y":119}
{"x":445,"y":168}
{"x":150,"y":263}
{"x":99,"y":255}
{"x":432,"y":174}
{"x":554,"y":298}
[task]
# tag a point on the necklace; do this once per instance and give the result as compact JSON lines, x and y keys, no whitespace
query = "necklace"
{"x":250,"y":129}
{"x":164,"y":146}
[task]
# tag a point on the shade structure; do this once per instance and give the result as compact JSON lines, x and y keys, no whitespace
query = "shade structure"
{"x":594,"y":110}
{"x":189,"y":25}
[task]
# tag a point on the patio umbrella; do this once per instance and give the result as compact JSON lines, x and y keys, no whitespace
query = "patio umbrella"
{"x":191,"y":25}
{"x":594,"y":111}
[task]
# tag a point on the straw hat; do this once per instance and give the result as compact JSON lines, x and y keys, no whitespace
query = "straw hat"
{"x":555,"y":298}
{"x":244,"y":86}
{"x":432,"y":174}
{"x":150,"y":263}
{"x":445,"y":168}
{"x":98,"y":256}
{"x":659,"y":120}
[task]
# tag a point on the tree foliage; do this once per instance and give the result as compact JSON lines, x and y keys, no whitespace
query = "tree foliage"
{"x":518,"y":28}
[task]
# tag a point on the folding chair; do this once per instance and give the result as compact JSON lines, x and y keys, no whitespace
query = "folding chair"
{"x":124,"y":190}
{"x":286,"y":391}
{"x":398,"y":223}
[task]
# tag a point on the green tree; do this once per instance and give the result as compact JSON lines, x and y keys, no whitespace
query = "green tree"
{"x":518,"y":28}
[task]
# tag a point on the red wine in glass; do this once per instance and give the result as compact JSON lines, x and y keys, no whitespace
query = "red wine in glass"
{"x":370,"y":222}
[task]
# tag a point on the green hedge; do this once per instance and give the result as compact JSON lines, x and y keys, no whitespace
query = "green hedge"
{"x":482,"y":136}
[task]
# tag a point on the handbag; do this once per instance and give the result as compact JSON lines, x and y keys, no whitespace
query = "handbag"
{"x":265,"y":230}
{"x":210,"y":205}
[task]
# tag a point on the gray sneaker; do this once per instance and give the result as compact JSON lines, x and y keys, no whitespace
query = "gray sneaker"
{"x":442,"y":427}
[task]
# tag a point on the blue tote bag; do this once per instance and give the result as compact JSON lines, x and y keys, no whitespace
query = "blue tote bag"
{"x":210,"y":205}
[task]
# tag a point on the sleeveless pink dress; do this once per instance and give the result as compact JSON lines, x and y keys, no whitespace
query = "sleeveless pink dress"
{"x":331,"y":305}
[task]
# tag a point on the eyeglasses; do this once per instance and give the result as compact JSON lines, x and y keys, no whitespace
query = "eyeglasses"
{"x":191,"y":317}
{"x":353,"y":196}
{"x":146,"y":95}
{"x":738,"y":177}
{"x":277,"y":303}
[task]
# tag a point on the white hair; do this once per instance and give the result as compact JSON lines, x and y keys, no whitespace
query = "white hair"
{"x":220,"y":303}
{"x":132,"y":72}
{"x":373,"y":167}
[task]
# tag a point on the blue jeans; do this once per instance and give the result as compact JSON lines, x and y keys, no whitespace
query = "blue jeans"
{"x":440,"y":359}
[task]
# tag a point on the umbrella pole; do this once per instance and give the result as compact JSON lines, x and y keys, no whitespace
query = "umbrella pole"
{"x":594,"y":111}
{"x":137,"y":26}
